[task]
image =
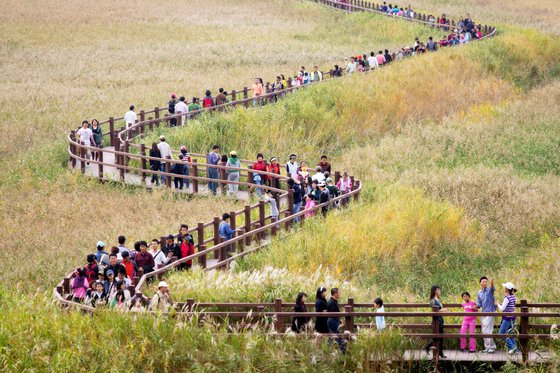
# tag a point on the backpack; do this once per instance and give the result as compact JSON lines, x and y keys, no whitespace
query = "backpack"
{"x":207,"y":102}
{"x":171,"y":107}
{"x":91,"y":272}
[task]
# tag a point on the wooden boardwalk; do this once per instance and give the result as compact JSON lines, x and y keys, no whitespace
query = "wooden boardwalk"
{"x":111,"y":173}
{"x":466,"y":356}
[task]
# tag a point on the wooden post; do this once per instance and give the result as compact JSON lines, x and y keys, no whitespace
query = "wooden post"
{"x":142,"y":115}
{"x":343,"y":200}
{"x":524,"y":342}
{"x":289,"y":222}
{"x":190,"y":305}
{"x":151,"y":124}
{"x":233,"y":97}
{"x":241,"y":244}
{"x":202,"y":258}
{"x":291,"y":202}
{"x":273,"y":230}
{"x":156,"y":113}
{"x":336,"y":177}
{"x":168,"y":171}
{"x":216,"y":236}
{"x":349,"y":319}
{"x":246,"y":96}
{"x":200,"y":235}
{"x":233,"y":220}
{"x":126,"y":158}
{"x":355,"y":186}
{"x":100,"y":166}
{"x":250,"y":178}
{"x":223,"y":178}
{"x":247,"y":224}
{"x":162,"y":240}
{"x":73,"y":148}
{"x":262,"y":215}
{"x":111,"y":131}
{"x":194,"y":173}
{"x":277,"y":309}
{"x":222,"y":252}
{"x":66,"y":285}
{"x":82,"y":161}
{"x":143,"y":161}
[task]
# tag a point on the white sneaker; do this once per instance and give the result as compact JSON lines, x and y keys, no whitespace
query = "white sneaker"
{"x":491,"y":351}
{"x":512,"y":351}
{"x":484,"y":351}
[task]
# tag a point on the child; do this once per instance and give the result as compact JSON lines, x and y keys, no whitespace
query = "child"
{"x":379,"y":320}
{"x":309,"y":206}
{"x":469,"y":322}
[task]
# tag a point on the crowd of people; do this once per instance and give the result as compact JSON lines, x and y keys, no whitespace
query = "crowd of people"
{"x":485,"y":302}
{"x":105,"y":280}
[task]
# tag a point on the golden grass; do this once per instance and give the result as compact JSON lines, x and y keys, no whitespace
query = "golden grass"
{"x":541,"y":15}
{"x":83,"y":62}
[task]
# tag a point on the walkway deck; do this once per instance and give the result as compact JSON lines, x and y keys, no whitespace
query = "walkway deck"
{"x":498,"y":356}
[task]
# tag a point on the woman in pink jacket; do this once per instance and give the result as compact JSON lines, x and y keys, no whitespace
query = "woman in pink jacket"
{"x":80,"y":285}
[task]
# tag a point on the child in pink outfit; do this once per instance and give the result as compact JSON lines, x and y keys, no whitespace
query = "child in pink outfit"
{"x":309,"y":206}
{"x":469,"y":322}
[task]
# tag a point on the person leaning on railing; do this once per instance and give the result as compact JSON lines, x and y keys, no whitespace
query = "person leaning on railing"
{"x":233,"y":175}
{"x":435,"y":302}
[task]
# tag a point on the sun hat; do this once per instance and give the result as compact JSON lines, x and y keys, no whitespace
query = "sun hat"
{"x":162,"y":284}
{"x":100,"y":244}
{"x":110,"y":272}
{"x":233,"y":153}
{"x":321,"y":183}
{"x":162,"y":138}
{"x":508,"y":285}
{"x":173,"y":95}
{"x":329,"y":180}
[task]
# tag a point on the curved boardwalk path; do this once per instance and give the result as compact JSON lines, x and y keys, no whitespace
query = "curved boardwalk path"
{"x":125,"y":160}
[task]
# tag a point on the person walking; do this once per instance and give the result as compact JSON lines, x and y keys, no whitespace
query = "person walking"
{"x":86,"y":138}
{"x":171,"y":109}
{"x":379,"y":320}
{"x":321,"y":306}
{"x":292,"y":167}
{"x":213,"y":159}
{"x":129,"y":119}
{"x":324,"y":197}
{"x":486,"y":303}
{"x":187,"y":159}
{"x":274,"y":168}
{"x":298,"y":198}
{"x":155,"y":164}
{"x":221,"y":99}
{"x":508,"y":322}
{"x":299,"y":322}
{"x":257,"y":91}
{"x":161,"y":301}
{"x":435,"y":302}
{"x":333,"y":322}
{"x":80,"y":285}
{"x":165,"y":152}
{"x":233,"y":175}
{"x":469,"y":322}
{"x":97,"y":137}
{"x":181,"y":108}
{"x":309,"y":206}
{"x":179,"y":169}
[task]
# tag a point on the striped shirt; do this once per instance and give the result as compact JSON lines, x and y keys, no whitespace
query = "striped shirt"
{"x":508,"y":306}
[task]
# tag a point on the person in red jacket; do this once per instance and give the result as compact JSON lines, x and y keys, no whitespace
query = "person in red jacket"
{"x":274,"y":168}
{"x":186,"y":248}
{"x":261,"y":165}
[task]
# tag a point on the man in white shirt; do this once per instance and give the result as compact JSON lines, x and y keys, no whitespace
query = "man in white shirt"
{"x":319,"y":176}
{"x":372,"y":60}
{"x":181,"y":108}
{"x":351,"y":66}
{"x":85,"y":136}
{"x":130,"y":117}
{"x":165,"y":151}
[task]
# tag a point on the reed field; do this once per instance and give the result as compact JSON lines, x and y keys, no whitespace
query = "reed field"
{"x":458,"y":152}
